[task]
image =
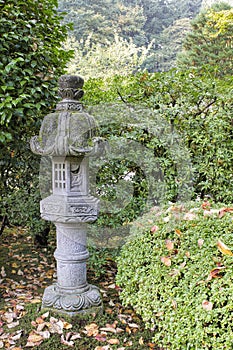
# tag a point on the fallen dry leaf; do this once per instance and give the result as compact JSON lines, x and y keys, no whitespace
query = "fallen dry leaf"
{"x":114,"y":324}
{"x":113,"y":341}
{"x":119,"y":330}
{"x":66,"y":342}
{"x":44,"y":334}
{"x":9,"y":316}
{"x":200,"y":242}
{"x":20,"y":273}
{"x":111,"y":303}
{"x":45,"y":315}
{"x":166,"y":261}
{"x":100,"y":337}
{"x":75,"y":336}
{"x":67,"y":325}
{"x":189,"y":216}
{"x":207,"y":305}
{"x":129,"y":343}
{"x":17,"y":336}
{"x":39,"y":320}
{"x":92,"y":329}
{"x":34,"y":339}
{"x":35,"y":301}
{"x":108,"y":329}
{"x":106,"y":347}
{"x":223,"y":211}
{"x":174,"y":304}
{"x":13,"y":324}
{"x":169,"y":244}
{"x":14,"y":265}
{"x":133,"y":325}
{"x":41,"y":326}
{"x":154,"y":228}
{"x":68,"y":336}
{"x":141,"y":341}
{"x":215,"y":273}
{"x":3,"y":272}
{"x":159,"y":314}
{"x":128,"y":329}
{"x":55,"y":326}
{"x":178,"y":232}
{"x":224,"y":248}
{"x":205,"y":205}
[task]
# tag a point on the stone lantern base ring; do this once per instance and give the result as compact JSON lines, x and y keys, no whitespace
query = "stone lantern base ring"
{"x":71,"y":303}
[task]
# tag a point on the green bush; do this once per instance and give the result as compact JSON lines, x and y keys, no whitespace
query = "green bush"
{"x":32,"y":59}
{"x":197,"y":108}
{"x":22,"y":208}
{"x":181,"y":126}
{"x":145,"y":163}
{"x":173,"y":274}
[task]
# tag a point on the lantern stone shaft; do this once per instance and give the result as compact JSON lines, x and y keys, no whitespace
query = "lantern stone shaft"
{"x":68,"y":136}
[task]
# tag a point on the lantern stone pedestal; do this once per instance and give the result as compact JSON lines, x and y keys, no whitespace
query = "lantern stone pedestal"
{"x":71,"y":294}
{"x":66,"y":136}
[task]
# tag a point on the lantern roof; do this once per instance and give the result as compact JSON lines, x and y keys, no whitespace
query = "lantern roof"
{"x":69,"y":131}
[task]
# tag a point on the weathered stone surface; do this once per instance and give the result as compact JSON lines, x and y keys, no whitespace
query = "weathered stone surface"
{"x":65,"y":133}
{"x":68,"y":136}
{"x":73,"y":302}
{"x":69,"y":130}
{"x":69,"y":209}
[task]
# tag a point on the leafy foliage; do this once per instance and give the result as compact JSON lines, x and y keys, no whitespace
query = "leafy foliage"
{"x":175,"y":276}
{"x":32,"y":59}
{"x":144,"y":165}
{"x":171,"y":40}
{"x":142,"y":22}
{"x":106,"y":59}
{"x":197,"y":109}
{"x":103,"y":19}
{"x":223,"y":20}
{"x":207,"y":43}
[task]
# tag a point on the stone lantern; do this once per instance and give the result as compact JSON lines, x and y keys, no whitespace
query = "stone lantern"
{"x":68,"y":137}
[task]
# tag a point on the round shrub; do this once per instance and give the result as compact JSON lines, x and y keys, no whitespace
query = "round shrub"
{"x":177,"y":274}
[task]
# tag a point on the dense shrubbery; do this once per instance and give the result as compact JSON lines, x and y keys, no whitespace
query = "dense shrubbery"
{"x":145,"y":163}
{"x":198,"y":109}
{"x":184,"y":123}
{"x":177,"y":279}
{"x":32,"y":59}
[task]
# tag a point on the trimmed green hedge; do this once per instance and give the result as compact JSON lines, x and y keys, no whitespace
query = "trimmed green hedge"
{"x":173,"y":274}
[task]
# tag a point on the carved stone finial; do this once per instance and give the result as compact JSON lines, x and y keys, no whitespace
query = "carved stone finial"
{"x":70,"y":81}
{"x":70,"y":90}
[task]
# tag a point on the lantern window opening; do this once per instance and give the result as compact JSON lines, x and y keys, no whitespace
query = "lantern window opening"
{"x":59,"y":176}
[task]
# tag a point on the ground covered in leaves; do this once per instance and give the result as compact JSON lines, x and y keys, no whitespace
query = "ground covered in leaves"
{"x":25,"y":270}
